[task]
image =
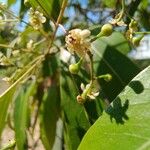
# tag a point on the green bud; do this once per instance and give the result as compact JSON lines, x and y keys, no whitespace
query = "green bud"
{"x":106,"y":30}
{"x":133,"y":24}
{"x":136,"y":40}
{"x":74,"y":68}
{"x":108,"y":77}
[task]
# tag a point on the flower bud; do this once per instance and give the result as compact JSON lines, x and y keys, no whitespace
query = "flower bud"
{"x":108,"y":77}
{"x":133,"y":24}
{"x":106,"y":30}
{"x":136,"y":40}
{"x":74,"y":68}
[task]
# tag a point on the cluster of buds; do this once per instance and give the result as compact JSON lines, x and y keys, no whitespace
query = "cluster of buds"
{"x":36,"y":19}
{"x":133,"y":27}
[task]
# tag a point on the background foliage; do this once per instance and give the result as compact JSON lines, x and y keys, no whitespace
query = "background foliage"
{"x":40,"y":98}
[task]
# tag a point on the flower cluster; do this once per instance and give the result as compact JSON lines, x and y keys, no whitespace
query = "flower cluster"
{"x":36,"y":19}
{"x":89,"y":91}
{"x":77,"y":41}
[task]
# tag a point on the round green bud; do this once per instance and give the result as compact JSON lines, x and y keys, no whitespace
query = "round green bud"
{"x":106,"y":30}
{"x":74,"y":68}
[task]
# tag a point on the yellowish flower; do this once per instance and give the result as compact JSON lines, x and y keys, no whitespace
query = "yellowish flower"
{"x":36,"y":19}
{"x":77,"y":41}
{"x":90,"y":91}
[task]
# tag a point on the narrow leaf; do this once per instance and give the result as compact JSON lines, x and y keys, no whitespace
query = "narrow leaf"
{"x":49,"y":114}
{"x":20,"y":115}
{"x":75,"y":118}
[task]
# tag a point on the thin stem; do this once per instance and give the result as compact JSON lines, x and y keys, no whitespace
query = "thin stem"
{"x":10,"y":20}
{"x":123,"y":5}
{"x":35,"y":62}
{"x":121,"y":14}
{"x":11,"y":13}
{"x":91,"y":66}
{"x":6,"y":46}
{"x":64,"y":4}
{"x":146,"y":32}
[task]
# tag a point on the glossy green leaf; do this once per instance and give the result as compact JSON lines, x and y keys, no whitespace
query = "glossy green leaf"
{"x":109,"y":57}
{"x":75,"y":118}
{"x":49,"y":115}
{"x":125,"y":124}
{"x":21,"y":114}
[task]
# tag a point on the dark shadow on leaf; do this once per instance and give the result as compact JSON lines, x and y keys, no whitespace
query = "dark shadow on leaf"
{"x":81,"y":132}
{"x":115,"y":63}
{"x":118,"y":111}
{"x":137,"y":86}
{"x":90,"y":107}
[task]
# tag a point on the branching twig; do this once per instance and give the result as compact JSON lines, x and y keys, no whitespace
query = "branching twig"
{"x":64,"y":4}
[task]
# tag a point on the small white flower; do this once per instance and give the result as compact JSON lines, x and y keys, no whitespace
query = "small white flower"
{"x":7,"y":79}
{"x":90,"y":91}
{"x":116,"y":22}
{"x":36,"y":19}
{"x":77,"y":41}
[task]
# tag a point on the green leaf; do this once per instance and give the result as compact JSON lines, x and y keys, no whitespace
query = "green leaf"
{"x":75,"y":118}
{"x":49,"y":114}
{"x":109,"y":58}
{"x":125,"y":124}
{"x":21,"y":113}
{"x":5,"y":99}
{"x":50,"y":98}
{"x":7,"y":95}
{"x":48,"y":7}
{"x":11,"y":2}
{"x":110,"y":3}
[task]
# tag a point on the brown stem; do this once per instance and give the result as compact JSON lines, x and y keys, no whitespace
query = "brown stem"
{"x":63,"y":6}
{"x":91,"y":65}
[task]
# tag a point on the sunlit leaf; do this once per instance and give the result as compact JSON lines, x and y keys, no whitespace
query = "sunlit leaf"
{"x":125,"y":124}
